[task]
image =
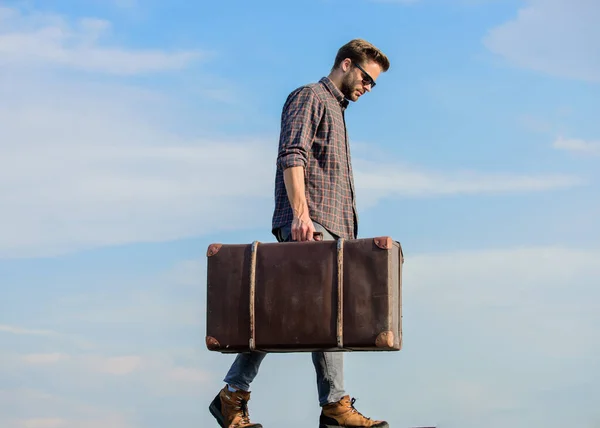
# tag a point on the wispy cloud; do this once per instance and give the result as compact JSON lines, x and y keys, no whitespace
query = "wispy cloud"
{"x":48,"y":336}
{"x":383,"y":180}
{"x":189,"y":375}
{"x":85,"y":173}
{"x":44,"y":410}
{"x":40,"y":38}
{"x":526,"y":284}
{"x":407,"y":182}
{"x":501,"y":334}
{"x":79,"y":171}
{"x":44,"y":423}
{"x":112,"y":174}
{"x":557,"y":37}
{"x":577,"y":146}
{"x":26,"y":331}
{"x":45,"y":358}
{"x":514,"y":294}
{"x":120,"y":365}
{"x":98,"y":368}
{"x":99,"y":422}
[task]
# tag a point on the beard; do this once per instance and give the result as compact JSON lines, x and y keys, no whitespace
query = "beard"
{"x":348,"y":88}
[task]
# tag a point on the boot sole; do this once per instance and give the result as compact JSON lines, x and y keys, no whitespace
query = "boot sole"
{"x":216,"y":413}
{"x":381,"y":425}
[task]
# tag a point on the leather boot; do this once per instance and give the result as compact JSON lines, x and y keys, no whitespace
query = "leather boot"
{"x":230,"y":409}
{"x":344,"y":414}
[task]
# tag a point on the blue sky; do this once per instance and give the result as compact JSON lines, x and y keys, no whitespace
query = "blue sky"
{"x":135,"y":133}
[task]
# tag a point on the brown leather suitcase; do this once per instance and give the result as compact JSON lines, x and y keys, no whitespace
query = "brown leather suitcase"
{"x":343,"y":295}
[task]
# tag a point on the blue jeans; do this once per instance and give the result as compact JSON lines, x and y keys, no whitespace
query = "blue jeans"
{"x":329,"y":366}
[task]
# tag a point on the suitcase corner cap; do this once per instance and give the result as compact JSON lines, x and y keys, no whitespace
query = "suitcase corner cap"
{"x":385,"y":339}
{"x":383,"y":242}
{"x":213,"y":249}
{"x":212,"y":344}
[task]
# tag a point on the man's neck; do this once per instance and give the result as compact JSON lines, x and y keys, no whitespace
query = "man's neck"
{"x":336,"y":79}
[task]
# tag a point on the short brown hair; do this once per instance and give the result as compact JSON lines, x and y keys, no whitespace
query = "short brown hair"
{"x":361,"y":51}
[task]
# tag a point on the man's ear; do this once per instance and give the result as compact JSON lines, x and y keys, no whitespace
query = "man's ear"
{"x":346,"y":64}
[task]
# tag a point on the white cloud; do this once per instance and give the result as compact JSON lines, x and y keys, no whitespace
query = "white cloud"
{"x":45,"y":358}
{"x":492,"y":330}
{"x":103,"y":421}
{"x":84,"y":172}
{"x":492,"y":337}
{"x":133,"y":307}
{"x":192,"y":375}
{"x":84,"y":165}
{"x":37,"y":38}
{"x":159,"y":366}
{"x":577,"y":145}
{"x":28,"y":408}
{"x":25,"y":331}
{"x":377,"y":180}
{"x":171,"y":300}
{"x":44,"y":423}
{"x":120,"y":365}
{"x":528,"y":285}
{"x":97,"y":422}
{"x":81,"y":342}
{"x":558,"y":37}
{"x":543,"y":267}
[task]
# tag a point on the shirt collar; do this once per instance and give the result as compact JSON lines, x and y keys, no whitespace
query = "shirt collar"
{"x":326,"y":81}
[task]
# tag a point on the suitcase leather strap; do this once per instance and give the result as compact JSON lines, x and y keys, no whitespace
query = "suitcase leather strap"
{"x":340,"y":290}
{"x":252,"y":343}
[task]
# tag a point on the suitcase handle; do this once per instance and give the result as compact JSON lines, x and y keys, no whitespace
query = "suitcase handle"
{"x":315,"y":236}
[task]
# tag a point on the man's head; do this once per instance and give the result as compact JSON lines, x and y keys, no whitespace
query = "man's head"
{"x":357,"y":65}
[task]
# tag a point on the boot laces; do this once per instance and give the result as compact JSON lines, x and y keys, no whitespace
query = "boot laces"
{"x":242,"y":406}
{"x":355,"y":410}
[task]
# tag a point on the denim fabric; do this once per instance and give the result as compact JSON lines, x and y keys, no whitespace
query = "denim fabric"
{"x":329,"y":366}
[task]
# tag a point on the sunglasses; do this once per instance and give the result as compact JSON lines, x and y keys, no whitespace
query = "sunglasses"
{"x":367,"y":79}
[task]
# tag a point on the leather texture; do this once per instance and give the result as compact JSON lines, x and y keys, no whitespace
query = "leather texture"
{"x":305,"y":296}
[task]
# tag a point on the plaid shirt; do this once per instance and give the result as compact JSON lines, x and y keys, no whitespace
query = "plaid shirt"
{"x":313,"y":135}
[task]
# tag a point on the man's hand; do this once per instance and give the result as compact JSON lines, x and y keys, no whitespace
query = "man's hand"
{"x":302,"y":228}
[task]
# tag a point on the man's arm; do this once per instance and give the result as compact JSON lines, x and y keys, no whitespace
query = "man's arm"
{"x":302,"y":226}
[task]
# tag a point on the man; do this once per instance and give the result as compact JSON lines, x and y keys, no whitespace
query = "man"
{"x":314,"y":192}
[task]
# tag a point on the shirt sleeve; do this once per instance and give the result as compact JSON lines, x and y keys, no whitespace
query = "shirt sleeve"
{"x":300,"y":120}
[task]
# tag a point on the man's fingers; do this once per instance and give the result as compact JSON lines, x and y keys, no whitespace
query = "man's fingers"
{"x":298,"y":234}
{"x":310,"y":233}
{"x":305,"y":234}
